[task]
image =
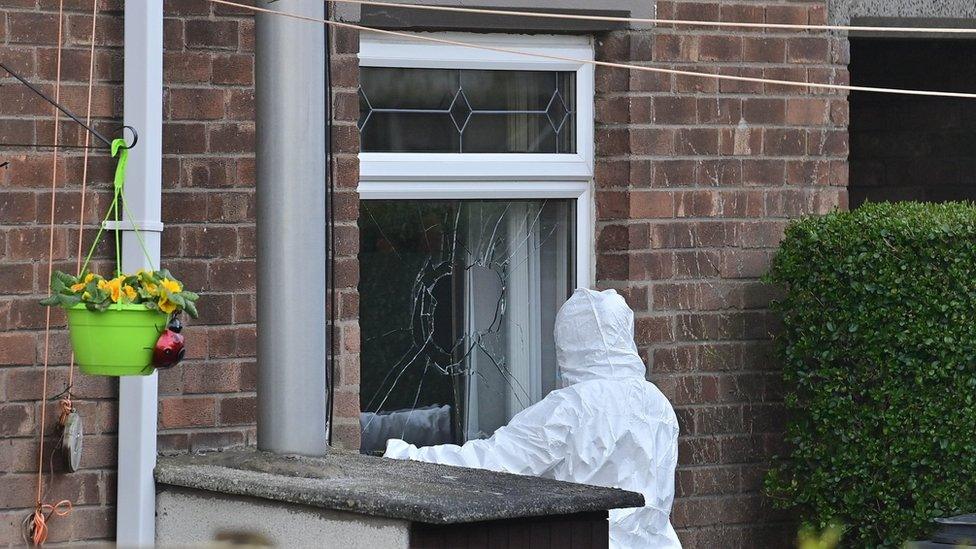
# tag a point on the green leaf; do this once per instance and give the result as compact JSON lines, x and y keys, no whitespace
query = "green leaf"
{"x":191,"y":309}
{"x":177,"y":300}
{"x":877,"y":346}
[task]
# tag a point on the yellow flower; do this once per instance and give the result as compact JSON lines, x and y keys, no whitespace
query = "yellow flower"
{"x":171,"y":286}
{"x":130,"y":292}
{"x":78,"y":287}
{"x":86,"y":296}
{"x":165,"y":305}
{"x":89,"y":278}
{"x":150,"y":287}
{"x":114,"y":288}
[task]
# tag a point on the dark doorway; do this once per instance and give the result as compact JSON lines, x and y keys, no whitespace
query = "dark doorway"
{"x":909,"y":147}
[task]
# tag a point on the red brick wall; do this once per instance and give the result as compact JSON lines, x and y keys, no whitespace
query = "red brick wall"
{"x":696,"y":180}
{"x":28,"y":40}
{"x":208,"y":208}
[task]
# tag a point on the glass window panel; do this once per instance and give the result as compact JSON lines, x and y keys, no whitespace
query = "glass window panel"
{"x":509,"y":90}
{"x":508,"y":133}
{"x":393,"y":88}
{"x":493,"y":111}
{"x":457,"y":305}
{"x":410,"y":132}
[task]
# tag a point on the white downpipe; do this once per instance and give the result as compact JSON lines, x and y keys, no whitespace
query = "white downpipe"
{"x":136,"y":505}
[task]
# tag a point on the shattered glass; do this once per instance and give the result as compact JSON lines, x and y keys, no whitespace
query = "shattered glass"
{"x":457,"y":304}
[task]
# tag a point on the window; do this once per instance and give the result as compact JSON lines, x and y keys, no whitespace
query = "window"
{"x":475,"y":226}
{"x":467,"y":111}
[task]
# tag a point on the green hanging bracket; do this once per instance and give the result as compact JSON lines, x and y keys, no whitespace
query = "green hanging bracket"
{"x":121,"y":150}
{"x":120,"y":145}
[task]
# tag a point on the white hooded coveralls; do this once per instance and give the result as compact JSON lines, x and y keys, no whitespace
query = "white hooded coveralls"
{"x":607,"y":427}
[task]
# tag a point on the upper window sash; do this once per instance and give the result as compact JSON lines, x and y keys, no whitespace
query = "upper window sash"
{"x":387,"y":51}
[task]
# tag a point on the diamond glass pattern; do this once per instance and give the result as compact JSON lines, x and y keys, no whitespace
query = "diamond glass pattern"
{"x":467,"y":111}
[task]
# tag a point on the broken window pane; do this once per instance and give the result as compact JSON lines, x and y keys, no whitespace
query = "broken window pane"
{"x":457,"y":305}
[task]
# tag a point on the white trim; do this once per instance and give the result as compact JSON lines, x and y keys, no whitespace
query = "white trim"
{"x":135,"y":510}
{"x":385,"y":51}
{"x":127,"y":226}
{"x":467,"y":190}
{"x":428,"y":176}
{"x":582,"y":191}
{"x":473,"y":167}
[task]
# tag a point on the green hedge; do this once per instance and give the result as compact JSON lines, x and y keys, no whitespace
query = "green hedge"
{"x":879,"y":353}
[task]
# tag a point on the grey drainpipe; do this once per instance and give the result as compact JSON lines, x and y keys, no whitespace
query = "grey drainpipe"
{"x":291,"y":229}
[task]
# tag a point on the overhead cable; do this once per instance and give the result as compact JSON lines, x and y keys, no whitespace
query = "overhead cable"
{"x":642,"y":68}
{"x":662,"y":21}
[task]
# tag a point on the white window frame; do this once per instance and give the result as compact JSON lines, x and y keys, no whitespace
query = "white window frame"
{"x":449,"y":176}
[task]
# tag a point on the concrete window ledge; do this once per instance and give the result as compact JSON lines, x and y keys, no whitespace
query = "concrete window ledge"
{"x":360,"y":501}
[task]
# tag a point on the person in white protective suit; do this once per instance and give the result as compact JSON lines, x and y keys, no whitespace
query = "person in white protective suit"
{"x":608,"y":426}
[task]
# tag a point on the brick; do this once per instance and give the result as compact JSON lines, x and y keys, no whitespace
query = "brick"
{"x":238,"y":410}
{"x":720,"y":48}
{"x":215,"y":440}
{"x":212,"y":377}
{"x":763,"y":50}
{"x":16,"y":348}
{"x":676,"y":48}
{"x":186,"y":67}
{"x":788,"y":14}
{"x":31,"y":28}
{"x":675,"y":110}
{"x":233,"y":341}
{"x":197,"y":103}
{"x":232,"y":138}
{"x":209,"y":34}
{"x":651,"y":204}
{"x":16,"y":419}
{"x":235,"y":70}
{"x":764,"y":110}
{"x":807,"y":50}
{"x":188,"y":138}
{"x":184,"y":412}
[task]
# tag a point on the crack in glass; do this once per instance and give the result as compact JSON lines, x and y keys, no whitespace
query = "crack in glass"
{"x":457,"y":304}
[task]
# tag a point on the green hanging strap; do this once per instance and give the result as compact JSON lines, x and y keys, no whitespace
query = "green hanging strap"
{"x":118,"y":149}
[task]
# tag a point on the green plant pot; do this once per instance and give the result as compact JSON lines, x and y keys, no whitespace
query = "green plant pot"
{"x":116,"y":342}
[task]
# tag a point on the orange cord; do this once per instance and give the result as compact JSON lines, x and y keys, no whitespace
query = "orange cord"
{"x":66,"y":409}
{"x":84,"y":179}
{"x":36,"y":530}
{"x":50,"y":270}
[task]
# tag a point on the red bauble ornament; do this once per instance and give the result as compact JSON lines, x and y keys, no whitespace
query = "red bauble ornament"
{"x":169,"y":350}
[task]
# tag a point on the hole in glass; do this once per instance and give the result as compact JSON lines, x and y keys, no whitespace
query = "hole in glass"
{"x":457,"y":305}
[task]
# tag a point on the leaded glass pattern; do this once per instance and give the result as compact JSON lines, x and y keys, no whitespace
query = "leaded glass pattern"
{"x":467,"y":111}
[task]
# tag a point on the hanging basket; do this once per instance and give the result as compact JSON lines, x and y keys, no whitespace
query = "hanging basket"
{"x":116,"y":342}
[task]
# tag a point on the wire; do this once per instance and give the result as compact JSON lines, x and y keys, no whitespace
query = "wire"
{"x":66,"y":402}
{"x":660,"y":21}
{"x":643,"y":68}
{"x":37,"y":522}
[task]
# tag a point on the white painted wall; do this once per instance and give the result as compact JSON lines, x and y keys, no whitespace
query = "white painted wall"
{"x":194,"y":517}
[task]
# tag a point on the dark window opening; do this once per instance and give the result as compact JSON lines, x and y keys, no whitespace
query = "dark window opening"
{"x":912,"y":147}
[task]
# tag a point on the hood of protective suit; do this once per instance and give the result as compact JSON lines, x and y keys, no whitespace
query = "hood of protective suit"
{"x":594,"y":337}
